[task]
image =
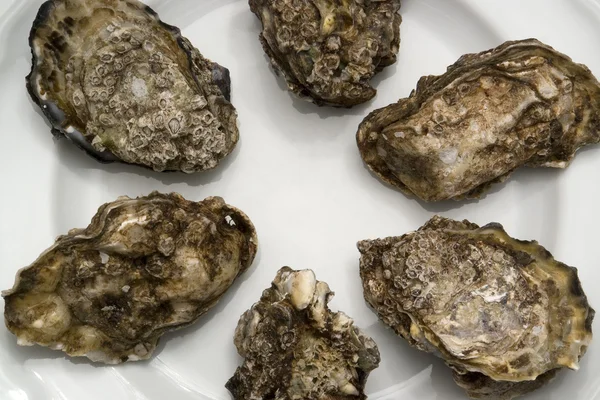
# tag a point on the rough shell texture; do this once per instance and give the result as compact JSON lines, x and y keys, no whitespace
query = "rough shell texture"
{"x":124,"y":86}
{"x":503,"y":313}
{"x":142,"y":267}
{"x":296,"y":348}
{"x":328,"y":50}
{"x":522,"y":103}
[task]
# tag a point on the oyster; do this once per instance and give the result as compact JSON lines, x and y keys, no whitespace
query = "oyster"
{"x":296,"y":348}
{"x":124,"y":86}
{"x":329,"y":50}
{"x":522,"y":103}
{"x":502,"y":313}
{"x":141,"y":268}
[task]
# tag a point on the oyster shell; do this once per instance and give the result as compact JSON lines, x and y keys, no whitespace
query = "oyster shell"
{"x":329,"y":50}
{"x":522,"y":103}
{"x":296,"y":348}
{"x":124,"y":86}
{"x":502,"y":313}
{"x":141,"y":268}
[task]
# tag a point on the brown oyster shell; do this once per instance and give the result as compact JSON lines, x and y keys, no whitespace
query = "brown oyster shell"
{"x":502,"y":313}
{"x":141,"y":268}
{"x":522,"y":103}
{"x":124,"y":86}
{"x":329,"y":50}
{"x":296,"y":348}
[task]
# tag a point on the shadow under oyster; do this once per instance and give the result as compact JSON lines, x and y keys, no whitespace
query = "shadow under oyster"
{"x":329,"y":50}
{"x":124,"y":86}
{"x":520,"y":104}
{"x":296,"y":348}
{"x":502,"y":313}
{"x":141,"y":268}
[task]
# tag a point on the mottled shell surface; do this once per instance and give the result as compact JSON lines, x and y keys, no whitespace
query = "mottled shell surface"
{"x":295,"y":348}
{"x":141,"y":268}
{"x":124,"y":86}
{"x":522,"y":103}
{"x":502,"y":313}
{"x":328,"y":50}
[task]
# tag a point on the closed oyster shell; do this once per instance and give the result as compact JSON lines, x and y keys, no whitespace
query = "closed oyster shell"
{"x":522,"y":103}
{"x":141,"y":268}
{"x":502,"y":313}
{"x":296,"y":348}
{"x":329,"y":50}
{"x":124,"y":86}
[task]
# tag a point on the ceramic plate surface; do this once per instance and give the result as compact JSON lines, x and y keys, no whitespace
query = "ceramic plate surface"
{"x":298,"y":174}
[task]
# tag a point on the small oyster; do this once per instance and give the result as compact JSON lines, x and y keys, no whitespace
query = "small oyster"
{"x":124,"y":86}
{"x":296,"y":348}
{"x":329,"y":50}
{"x":502,"y":313}
{"x":522,"y":103}
{"x":142,"y":267}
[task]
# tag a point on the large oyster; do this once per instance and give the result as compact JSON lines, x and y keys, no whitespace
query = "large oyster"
{"x":142,"y":267}
{"x":124,"y":86}
{"x":522,"y":103}
{"x":296,"y":348}
{"x":502,"y":313}
{"x":329,"y":50}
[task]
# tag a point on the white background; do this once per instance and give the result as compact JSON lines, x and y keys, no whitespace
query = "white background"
{"x":297,"y":173}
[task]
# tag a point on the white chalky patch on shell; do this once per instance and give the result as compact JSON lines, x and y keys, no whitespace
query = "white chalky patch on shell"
{"x":448,"y":155}
{"x":139,"y":88}
{"x":104,"y":257}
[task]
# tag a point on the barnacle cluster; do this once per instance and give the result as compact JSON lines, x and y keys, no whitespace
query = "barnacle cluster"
{"x":295,"y":348}
{"x":124,"y":86}
{"x":502,"y":313}
{"x":141,"y":268}
{"x":521,"y":104}
{"x":329,"y":50}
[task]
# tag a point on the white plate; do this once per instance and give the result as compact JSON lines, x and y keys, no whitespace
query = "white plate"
{"x":298,"y":175}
